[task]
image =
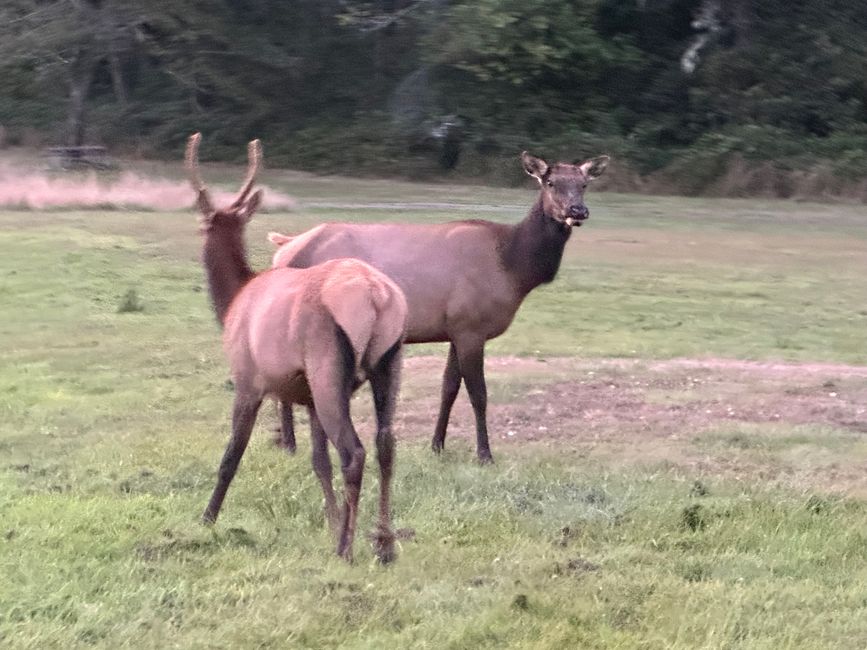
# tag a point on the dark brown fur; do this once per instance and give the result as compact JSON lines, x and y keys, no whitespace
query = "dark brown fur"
{"x":465,"y":280}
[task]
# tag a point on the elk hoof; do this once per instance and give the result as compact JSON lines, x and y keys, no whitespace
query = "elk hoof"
{"x":383,"y":545}
{"x":346,"y":554}
{"x":386,"y":554}
{"x":485,"y":458}
{"x":437,"y":445}
{"x":287,"y":445}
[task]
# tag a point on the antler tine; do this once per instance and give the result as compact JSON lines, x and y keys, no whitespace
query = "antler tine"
{"x":254,"y":160}
{"x":191,"y":162}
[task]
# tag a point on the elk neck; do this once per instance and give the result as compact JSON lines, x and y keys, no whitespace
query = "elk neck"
{"x":225,"y":259}
{"x":534,"y":248}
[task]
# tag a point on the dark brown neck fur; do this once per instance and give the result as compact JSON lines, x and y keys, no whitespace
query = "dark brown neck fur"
{"x":534,"y":249}
{"x":225,"y":259}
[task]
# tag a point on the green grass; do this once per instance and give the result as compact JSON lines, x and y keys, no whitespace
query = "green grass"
{"x":683,"y":281}
{"x":114,"y":418}
{"x":542,"y":550}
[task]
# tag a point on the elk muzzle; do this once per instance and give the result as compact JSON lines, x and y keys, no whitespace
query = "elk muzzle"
{"x":575,"y":214}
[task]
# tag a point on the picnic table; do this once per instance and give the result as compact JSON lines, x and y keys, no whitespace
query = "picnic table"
{"x":84,"y":156}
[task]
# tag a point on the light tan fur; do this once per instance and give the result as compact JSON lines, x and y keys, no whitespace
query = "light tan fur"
{"x":278,"y":239}
{"x":277,"y":325}
{"x":285,"y":334}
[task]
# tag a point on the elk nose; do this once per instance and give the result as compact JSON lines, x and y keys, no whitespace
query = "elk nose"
{"x":578,"y":212}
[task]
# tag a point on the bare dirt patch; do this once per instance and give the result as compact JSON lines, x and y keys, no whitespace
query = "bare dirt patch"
{"x":803,"y":425}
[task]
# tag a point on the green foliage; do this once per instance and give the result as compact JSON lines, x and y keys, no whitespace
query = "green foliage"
{"x":362,"y":86}
{"x":796,"y":71}
{"x":529,"y":68}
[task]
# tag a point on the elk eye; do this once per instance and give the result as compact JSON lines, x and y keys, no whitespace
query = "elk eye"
{"x":549,"y":183}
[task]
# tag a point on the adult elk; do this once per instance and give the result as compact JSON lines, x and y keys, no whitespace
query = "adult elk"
{"x":306,"y":336}
{"x":463,"y":280}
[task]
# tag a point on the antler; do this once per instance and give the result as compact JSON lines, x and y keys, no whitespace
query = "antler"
{"x":192,"y":164}
{"x":254,"y":160}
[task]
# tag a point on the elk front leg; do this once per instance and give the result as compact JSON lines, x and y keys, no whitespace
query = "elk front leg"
{"x":287,"y":427}
{"x":244,"y":413}
{"x":471,"y":357}
{"x":451,"y":386}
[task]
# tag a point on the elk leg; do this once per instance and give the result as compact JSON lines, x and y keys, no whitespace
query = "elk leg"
{"x":287,"y":427}
{"x":385,"y":383}
{"x":277,"y":427}
{"x":450,"y":388}
{"x":331,"y":376}
{"x":352,"y":454}
{"x":322,"y":467}
{"x":243,"y":418}
{"x":472,"y":362}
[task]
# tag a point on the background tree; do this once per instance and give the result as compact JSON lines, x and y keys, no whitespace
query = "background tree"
{"x":413,"y":87}
{"x":63,"y":42}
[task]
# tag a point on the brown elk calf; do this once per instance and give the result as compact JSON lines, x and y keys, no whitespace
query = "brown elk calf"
{"x":306,"y":336}
{"x":463,"y":280}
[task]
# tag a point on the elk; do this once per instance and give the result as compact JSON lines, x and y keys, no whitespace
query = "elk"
{"x":463,"y":280}
{"x":305,"y":336}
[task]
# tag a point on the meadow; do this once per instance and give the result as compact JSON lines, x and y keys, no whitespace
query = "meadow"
{"x":679,"y":424}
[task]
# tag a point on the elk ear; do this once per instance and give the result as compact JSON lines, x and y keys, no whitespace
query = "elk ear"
{"x":594,"y":167}
{"x":278,"y":239}
{"x":249,"y":207}
{"x":535,"y":167}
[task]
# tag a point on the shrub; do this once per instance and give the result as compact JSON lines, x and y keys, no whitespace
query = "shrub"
{"x":130,"y":303}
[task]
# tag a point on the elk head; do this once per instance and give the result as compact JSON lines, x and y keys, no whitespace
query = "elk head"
{"x":563,"y":186}
{"x":241,"y":210}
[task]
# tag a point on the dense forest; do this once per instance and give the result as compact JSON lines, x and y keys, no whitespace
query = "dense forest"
{"x":715,"y":96}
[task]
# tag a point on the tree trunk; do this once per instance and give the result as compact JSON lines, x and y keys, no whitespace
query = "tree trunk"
{"x":742,"y":20}
{"x":80,"y":77}
{"x":117,"y":79}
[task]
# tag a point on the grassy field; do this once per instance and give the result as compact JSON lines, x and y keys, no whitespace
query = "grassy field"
{"x":678,"y":422}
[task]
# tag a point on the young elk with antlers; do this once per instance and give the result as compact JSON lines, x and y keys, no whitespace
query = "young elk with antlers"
{"x":306,"y":336}
{"x":463,"y":280}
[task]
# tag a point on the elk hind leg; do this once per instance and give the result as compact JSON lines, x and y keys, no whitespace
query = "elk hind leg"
{"x":331,"y":374}
{"x":322,"y":467}
{"x":385,"y":383}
